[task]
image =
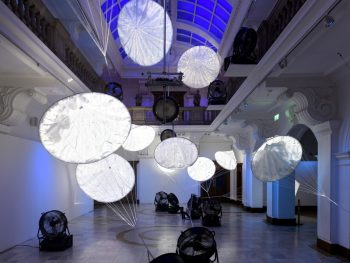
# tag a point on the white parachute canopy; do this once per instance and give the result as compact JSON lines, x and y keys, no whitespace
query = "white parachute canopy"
{"x":226,"y":159}
{"x":85,"y":127}
{"x":176,"y":153}
{"x":140,"y":29}
{"x":276,"y":158}
{"x":202,"y":170}
{"x":140,"y":137}
{"x":165,"y":170}
{"x":200,"y":66}
{"x":107,"y":180}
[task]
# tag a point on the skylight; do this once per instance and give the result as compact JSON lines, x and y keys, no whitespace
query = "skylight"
{"x":194,"y":39}
{"x":207,"y":15}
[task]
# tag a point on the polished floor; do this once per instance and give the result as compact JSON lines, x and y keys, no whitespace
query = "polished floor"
{"x":101,"y":237}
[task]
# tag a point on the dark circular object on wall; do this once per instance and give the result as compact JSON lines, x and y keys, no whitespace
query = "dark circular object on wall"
{"x":114,"y":89}
{"x":166,"y":110}
{"x":166,"y":134}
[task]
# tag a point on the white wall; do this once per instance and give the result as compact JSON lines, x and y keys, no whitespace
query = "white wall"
{"x":32,"y":182}
{"x":208,"y":149}
{"x":151,"y":179}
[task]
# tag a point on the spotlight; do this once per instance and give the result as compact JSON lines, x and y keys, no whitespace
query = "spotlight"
{"x":329,"y":21}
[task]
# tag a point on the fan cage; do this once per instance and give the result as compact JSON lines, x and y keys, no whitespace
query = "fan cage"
{"x":173,"y":203}
{"x":59,"y":217}
{"x":194,"y":208}
{"x":168,"y":258}
{"x":166,"y":109}
{"x":212,"y":212}
{"x":217,"y":94}
{"x":197,"y":245}
{"x":56,"y":239}
{"x":161,"y":201}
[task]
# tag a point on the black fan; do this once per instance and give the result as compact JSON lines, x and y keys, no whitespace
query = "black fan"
{"x":168,"y":258}
{"x":114,"y":89}
{"x":197,"y":245}
{"x":243,"y":46}
{"x":166,"y":110}
{"x":53,"y":233}
{"x":212,"y":212}
{"x":194,"y":208}
{"x":166,"y":134}
{"x":217,"y":93}
{"x":161,"y":201}
{"x":173,"y":203}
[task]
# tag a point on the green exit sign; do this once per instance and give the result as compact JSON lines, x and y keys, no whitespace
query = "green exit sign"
{"x":276,"y":117}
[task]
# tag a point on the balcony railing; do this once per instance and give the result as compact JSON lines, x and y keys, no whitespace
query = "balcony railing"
{"x":273,"y":26}
{"x":50,"y":31}
{"x":187,"y":116}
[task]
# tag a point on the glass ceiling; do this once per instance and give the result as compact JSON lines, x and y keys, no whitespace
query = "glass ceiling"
{"x":209,"y":16}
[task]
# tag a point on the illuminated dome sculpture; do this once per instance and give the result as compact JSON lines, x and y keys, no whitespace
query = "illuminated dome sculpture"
{"x":140,"y":29}
{"x":226,"y":159}
{"x":140,"y":137}
{"x":107,"y":180}
{"x":276,"y":158}
{"x":200,"y":66}
{"x":202,"y":170}
{"x":85,"y":127}
{"x":176,"y":153}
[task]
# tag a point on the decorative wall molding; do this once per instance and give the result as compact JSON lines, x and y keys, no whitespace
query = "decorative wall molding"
{"x":13,"y":103}
{"x":7,"y":96}
{"x":313,"y":105}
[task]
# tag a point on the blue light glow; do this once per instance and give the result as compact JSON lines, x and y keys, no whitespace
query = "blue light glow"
{"x":189,"y":7}
{"x":216,"y":32}
{"x":218,"y":23}
{"x":207,"y":15}
{"x":184,"y":16}
{"x":225,"y":5}
{"x":201,"y":22}
{"x":193,"y":38}
{"x":221,"y":13}
{"x":203,"y":13}
{"x":207,"y":4}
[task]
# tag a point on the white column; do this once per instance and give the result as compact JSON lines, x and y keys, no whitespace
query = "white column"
{"x":252,"y":187}
{"x":326,"y":136}
{"x":343,"y":208}
{"x":233,"y":184}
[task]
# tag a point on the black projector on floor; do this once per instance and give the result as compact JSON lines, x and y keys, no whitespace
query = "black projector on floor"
{"x":53,"y":233}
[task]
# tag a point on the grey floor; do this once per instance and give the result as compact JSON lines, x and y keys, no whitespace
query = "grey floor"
{"x":101,"y":237}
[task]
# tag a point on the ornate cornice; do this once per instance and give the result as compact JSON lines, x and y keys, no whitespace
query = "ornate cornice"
{"x":313,"y":105}
{"x":7,"y":96}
